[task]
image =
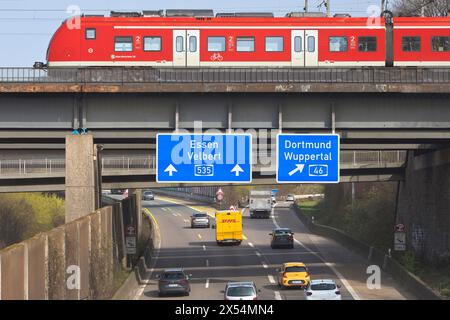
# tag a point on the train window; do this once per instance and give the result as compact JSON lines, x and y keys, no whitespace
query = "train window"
{"x":338,"y":44}
{"x":123,"y":44}
{"x":311,"y":44}
{"x":152,"y":44}
{"x":192,"y":44}
{"x":90,"y":34}
{"x":179,"y":44}
{"x":216,"y":44}
{"x":245,"y":44}
{"x":298,"y":44}
{"x":440,"y":44}
{"x":411,"y":44}
{"x":274,"y":44}
{"x":367,"y":44}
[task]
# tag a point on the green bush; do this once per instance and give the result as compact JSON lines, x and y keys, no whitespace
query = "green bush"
{"x":370,"y":217}
{"x":17,"y":221}
{"x":410,"y":262}
{"x":445,"y":292}
{"x":22,"y":215}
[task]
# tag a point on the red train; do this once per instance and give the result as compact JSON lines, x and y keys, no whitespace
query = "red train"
{"x":199,"y":39}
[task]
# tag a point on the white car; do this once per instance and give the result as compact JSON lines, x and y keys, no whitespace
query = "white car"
{"x":324,"y":289}
{"x":290,"y":197}
{"x":241,"y":291}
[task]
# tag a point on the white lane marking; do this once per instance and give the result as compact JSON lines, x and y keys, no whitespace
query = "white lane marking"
{"x":204,"y":248}
{"x":271,"y":278}
{"x":199,"y":236}
{"x":174,"y":214}
{"x":207,"y":262}
{"x":265,"y":266}
{"x":336,"y":272}
{"x":186,"y":220}
{"x":164,"y":209}
{"x":190,"y":207}
{"x":258,"y":254}
{"x":251,"y":244}
{"x":207,"y":284}
{"x":277,"y":295}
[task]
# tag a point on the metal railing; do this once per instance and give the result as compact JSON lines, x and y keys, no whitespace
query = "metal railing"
{"x":128,"y":163}
{"x":377,"y":157}
{"x":122,"y":75}
{"x":34,"y":166}
{"x":132,"y":164}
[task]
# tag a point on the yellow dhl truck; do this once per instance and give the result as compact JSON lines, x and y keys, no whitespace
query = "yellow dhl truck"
{"x":228,"y":227}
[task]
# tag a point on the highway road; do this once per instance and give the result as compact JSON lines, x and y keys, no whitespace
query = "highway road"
{"x":212,"y":266}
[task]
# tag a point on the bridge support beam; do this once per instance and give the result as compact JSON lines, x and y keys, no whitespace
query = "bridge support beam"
{"x":82,"y":189}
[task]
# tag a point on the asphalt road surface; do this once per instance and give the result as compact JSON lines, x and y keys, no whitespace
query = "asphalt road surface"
{"x":212,"y":266}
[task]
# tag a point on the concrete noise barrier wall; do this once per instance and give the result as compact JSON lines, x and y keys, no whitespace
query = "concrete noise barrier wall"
{"x":75,"y":261}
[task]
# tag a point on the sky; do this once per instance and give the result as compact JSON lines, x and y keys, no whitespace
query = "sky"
{"x":26,"y":26}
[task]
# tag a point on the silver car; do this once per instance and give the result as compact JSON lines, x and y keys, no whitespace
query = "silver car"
{"x":241,"y":291}
{"x":325,"y":289}
{"x":290,"y":197}
{"x":200,"y":220}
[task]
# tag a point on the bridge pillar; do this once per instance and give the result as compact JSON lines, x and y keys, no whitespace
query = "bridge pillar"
{"x":138,"y":208}
{"x":82,"y":188}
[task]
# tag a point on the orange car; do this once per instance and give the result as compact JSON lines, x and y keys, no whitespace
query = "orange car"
{"x":293,"y":274}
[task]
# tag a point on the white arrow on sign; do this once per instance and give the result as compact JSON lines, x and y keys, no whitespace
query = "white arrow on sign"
{"x":171,"y":169}
{"x":237,"y":170}
{"x":298,"y":167}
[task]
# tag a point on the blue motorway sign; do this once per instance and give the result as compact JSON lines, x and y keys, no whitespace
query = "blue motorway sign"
{"x":207,"y":158}
{"x":307,"y":158}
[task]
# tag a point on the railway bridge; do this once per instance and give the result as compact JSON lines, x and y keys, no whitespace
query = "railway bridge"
{"x":372,"y":109}
{"x":394,"y":125}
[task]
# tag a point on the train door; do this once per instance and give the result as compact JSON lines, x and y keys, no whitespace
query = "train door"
{"x":304,"y":48}
{"x":186,"y":51}
{"x":298,"y":45}
{"x":311,"y":48}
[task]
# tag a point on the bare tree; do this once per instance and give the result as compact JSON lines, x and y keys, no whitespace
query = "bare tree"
{"x":428,"y":8}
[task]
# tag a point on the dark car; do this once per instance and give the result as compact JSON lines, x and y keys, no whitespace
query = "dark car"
{"x":282,"y":237}
{"x":200,"y":220}
{"x":117,"y":191}
{"x":173,"y":281}
{"x":148,"y":195}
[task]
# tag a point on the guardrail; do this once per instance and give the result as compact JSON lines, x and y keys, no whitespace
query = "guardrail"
{"x":135,"y":163}
{"x":122,"y":75}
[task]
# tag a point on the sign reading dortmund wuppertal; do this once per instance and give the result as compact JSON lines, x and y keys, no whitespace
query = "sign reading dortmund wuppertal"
{"x":207,"y":158}
{"x":306,"y":158}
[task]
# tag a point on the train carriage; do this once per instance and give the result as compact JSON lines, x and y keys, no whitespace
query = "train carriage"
{"x":252,"y":40}
{"x":422,"y":41}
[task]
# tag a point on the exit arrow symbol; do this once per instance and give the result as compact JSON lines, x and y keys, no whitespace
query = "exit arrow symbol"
{"x":237,"y":170}
{"x":171,"y":169}
{"x":298,"y":167}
